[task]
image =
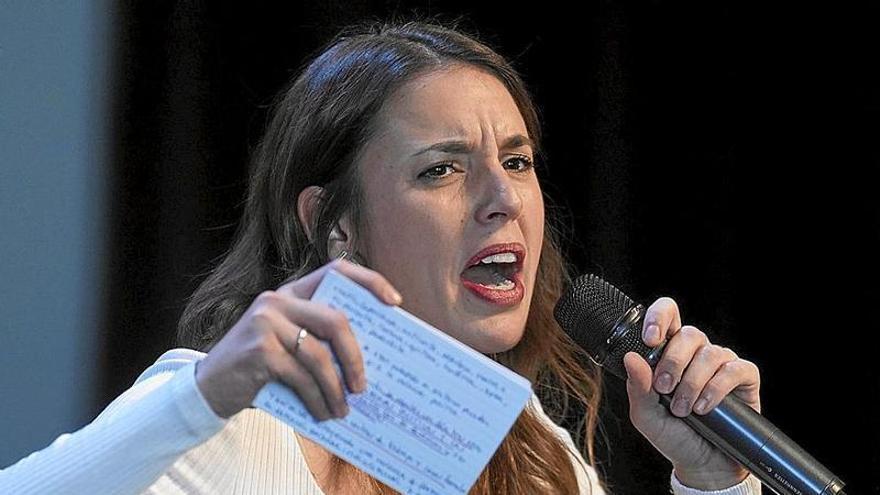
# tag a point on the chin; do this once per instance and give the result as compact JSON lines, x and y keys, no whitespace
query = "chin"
{"x":492,"y":341}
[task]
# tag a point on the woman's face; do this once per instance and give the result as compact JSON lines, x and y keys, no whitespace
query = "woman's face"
{"x":454,"y":216}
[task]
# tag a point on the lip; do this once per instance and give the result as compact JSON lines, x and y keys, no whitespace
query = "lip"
{"x":499,"y":297}
{"x":510,"y":247}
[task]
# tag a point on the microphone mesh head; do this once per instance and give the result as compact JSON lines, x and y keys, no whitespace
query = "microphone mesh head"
{"x":588,"y":311}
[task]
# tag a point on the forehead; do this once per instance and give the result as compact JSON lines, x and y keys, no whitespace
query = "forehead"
{"x":461,"y":101}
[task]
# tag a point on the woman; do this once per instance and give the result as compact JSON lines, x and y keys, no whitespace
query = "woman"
{"x":412,"y":147}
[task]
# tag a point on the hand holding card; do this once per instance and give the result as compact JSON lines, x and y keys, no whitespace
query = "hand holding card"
{"x":434,"y":411}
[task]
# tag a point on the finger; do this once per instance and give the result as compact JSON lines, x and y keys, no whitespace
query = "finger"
{"x":331,"y":325}
{"x":643,"y":401}
{"x":315,"y":357}
{"x":638,"y":383}
{"x":661,"y":320}
{"x":676,"y":357}
{"x":705,"y":363}
{"x":298,"y":378}
{"x":739,"y":376}
{"x":373,"y":281}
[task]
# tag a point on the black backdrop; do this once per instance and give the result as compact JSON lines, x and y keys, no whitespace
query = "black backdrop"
{"x":719,"y":153}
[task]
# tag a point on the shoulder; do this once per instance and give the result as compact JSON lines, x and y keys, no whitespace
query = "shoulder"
{"x":586,"y":474}
{"x":562,"y":433}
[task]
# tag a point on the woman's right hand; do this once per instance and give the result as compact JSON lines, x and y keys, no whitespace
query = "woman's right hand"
{"x":261,"y":347}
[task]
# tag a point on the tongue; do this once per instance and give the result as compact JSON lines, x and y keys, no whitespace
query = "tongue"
{"x":485,"y":274}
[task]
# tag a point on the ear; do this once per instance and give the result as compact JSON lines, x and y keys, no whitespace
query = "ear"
{"x":307,"y":208}
{"x":340,"y":238}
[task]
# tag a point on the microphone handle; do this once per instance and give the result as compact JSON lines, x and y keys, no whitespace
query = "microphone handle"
{"x":753,"y":441}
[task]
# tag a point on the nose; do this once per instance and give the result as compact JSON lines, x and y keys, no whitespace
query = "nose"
{"x":500,"y":200}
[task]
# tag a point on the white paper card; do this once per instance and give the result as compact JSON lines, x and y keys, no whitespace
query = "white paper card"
{"x":434,"y":411}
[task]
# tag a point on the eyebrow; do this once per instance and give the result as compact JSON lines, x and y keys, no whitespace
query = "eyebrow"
{"x":456,"y":146}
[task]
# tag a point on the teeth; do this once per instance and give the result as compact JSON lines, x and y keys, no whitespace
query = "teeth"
{"x":505,"y":285}
{"x":499,"y":258}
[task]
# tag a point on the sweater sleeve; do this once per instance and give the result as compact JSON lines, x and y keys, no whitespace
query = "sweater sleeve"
{"x":131,"y":443}
{"x":749,"y":486}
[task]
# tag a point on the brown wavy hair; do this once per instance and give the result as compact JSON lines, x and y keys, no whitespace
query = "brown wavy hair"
{"x":319,"y":125}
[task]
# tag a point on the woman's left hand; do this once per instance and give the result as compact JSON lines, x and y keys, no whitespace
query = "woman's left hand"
{"x":698,"y":374}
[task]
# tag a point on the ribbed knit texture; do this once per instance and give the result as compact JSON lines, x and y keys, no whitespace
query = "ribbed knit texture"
{"x":161,"y":437}
{"x":749,"y":486}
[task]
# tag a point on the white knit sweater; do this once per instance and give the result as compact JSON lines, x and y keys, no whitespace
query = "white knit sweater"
{"x":161,"y":437}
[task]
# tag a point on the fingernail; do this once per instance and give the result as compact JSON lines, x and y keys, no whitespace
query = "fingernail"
{"x":664,"y":383}
{"x":394,"y":296}
{"x":341,"y":410}
{"x":652,"y":333}
{"x":701,"y":405}
{"x":361,"y":384}
{"x":680,"y":406}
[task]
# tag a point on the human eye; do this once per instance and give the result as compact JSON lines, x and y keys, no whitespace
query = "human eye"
{"x":519,"y":163}
{"x":437,"y":171}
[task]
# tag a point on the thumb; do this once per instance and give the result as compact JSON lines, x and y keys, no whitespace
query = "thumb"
{"x":642,"y":397}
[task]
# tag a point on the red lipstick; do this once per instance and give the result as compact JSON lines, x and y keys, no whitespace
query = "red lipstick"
{"x":500,"y":296}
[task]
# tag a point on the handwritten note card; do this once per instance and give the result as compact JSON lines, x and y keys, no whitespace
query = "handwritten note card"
{"x":434,"y":411}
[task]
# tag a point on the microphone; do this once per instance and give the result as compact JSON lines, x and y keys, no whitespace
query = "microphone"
{"x":607,"y":324}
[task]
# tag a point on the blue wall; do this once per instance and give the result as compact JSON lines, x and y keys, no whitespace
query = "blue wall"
{"x":53,"y":101}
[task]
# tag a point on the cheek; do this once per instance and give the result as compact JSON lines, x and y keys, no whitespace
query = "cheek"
{"x":536,"y":214}
{"x":403,"y":230}
{"x":533,"y":215}
{"x":532,"y":224}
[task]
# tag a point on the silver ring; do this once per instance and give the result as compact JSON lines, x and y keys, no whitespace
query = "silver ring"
{"x":303,"y":333}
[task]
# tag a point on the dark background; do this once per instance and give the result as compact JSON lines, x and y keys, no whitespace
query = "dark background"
{"x":720,"y":153}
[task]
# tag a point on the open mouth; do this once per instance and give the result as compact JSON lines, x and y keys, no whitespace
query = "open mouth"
{"x":496,"y":271}
{"x":493,"y":274}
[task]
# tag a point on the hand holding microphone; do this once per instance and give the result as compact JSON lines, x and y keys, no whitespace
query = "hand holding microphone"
{"x":696,"y":375}
{"x":629,"y":341}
